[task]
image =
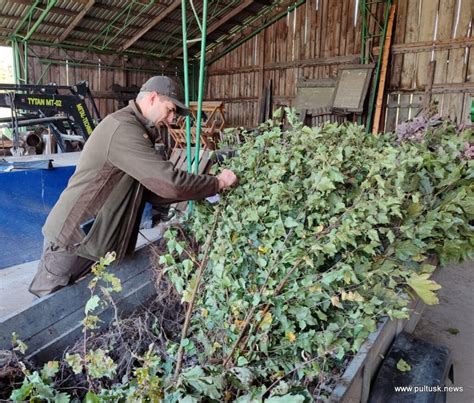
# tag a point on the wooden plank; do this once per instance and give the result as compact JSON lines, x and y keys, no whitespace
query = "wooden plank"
{"x":398,"y":37}
{"x":349,"y":59}
{"x":457,"y":66}
{"x":298,"y":37}
{"x":285,"y":38}
{"x":358,"y":33}
{"x":429,"y":10}
{"x":324,"y":6}
{"x":411,"y":35}
{"x":336,"y":38}
{"x":345,"y":18}
{"x":428,"y":46}
{"x":306,"y":34}
{"x":445,"y":26}
{"x":351,"y":29}
{"x":318,"y":27}
{"x":331,"y":44}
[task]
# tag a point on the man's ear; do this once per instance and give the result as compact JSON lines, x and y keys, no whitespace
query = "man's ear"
{"x":155,"y":97}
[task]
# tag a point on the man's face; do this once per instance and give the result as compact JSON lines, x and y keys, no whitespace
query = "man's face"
{"x":161,"y":110}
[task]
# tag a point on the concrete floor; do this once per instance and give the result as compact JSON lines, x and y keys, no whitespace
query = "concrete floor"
{"x":451,"y":323}
{"x":15,"y":280}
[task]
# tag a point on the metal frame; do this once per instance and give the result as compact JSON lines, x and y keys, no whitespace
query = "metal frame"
{"x":129,"y":19}
{"x":123,"y":19}
{"x":226,"y":15}
{"x":203,"y":28}
{"x":367,"y":55}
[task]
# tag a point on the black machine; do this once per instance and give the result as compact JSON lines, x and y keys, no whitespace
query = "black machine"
{"x":61,"y":108}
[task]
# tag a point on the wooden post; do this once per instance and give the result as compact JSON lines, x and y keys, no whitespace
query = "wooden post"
{"x":383,"y":71}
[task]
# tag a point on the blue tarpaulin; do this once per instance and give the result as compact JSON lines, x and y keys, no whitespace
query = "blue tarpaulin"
{"x":26,"y":198}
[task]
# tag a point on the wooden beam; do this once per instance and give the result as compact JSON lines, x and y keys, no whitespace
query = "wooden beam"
{"x":444,"y":88}
{"x":220,"y":22}
{"x":325,"y":61}
{"x":428,"y":46}
{"x":76,"y":21}
{"x":153,"y":22}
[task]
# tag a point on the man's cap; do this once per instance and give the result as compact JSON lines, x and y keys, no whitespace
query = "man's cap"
{"x":170,"y":88}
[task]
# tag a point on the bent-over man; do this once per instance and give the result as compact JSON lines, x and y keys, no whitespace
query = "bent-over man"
{"x":101,"y":208}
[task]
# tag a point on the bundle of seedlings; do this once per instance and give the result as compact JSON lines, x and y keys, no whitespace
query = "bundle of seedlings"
{"x":328,"y":232}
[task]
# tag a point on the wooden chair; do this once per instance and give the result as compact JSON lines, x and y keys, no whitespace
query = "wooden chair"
{"x":211,"y":127}
{"x":209,"y":137}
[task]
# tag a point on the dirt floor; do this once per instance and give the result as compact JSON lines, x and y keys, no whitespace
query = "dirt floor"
{"x":451,"y":323}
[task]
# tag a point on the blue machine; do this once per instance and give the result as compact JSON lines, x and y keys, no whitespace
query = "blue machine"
{"x":26,"y":198}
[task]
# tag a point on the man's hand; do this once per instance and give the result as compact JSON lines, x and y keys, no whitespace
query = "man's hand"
{"x":226,"y":179}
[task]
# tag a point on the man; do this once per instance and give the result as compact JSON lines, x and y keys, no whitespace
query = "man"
{"x":118,"y":169}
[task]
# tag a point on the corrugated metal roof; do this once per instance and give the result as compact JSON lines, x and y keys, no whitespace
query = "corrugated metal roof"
{"x":111,"y":24}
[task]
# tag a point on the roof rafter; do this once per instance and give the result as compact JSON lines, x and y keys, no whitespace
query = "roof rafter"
{"x":220,"y":22}
{"x":152,"y":23}
{"x":76,"y":20}
{"x":63,"y":27}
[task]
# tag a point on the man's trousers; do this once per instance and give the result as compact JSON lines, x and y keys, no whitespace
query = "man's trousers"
{"x":57,"y":269}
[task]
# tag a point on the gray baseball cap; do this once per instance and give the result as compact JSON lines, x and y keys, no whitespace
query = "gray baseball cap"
{"x":170,"y":88}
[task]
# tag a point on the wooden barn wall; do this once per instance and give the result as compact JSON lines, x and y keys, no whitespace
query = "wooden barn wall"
{"x":431,"y":60}
{"x":112,"y":69}
{"x":319,"y":36}
{"x":309,"y":43}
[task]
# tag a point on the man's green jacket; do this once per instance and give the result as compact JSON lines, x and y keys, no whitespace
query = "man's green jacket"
{"x":118,"y":161}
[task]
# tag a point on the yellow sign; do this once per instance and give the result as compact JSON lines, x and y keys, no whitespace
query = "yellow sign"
{"x":45,"y":102}
{"x":85,"y":120}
